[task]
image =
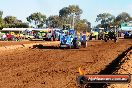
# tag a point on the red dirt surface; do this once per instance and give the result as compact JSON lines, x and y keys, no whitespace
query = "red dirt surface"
{"x":126,"y":68}
{"x":8,"y":43}
{"x":55,"y":68}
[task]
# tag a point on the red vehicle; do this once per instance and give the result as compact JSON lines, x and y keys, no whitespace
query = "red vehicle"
{"x":9,"y":37}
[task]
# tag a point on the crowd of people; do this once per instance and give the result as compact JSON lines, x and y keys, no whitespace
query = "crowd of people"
{"x":10,"y":37}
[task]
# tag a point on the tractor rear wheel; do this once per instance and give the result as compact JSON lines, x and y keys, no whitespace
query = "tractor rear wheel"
{"x":84,"y":44}
{"x":78,"y":44}
{"x":90,"y":37}
{"x":105,"y":39}
{"x":115,"y":39}
{"x":52,"y":39}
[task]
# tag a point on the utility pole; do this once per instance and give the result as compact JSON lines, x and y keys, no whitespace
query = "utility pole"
{"x":73,"y":21}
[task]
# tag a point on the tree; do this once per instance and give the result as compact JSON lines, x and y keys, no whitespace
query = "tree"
{"x":89,"y":26}
{"x":1,"y":20}
{"x":67,"y":13}
{"x":106,"y":19}
{"x":125,"y":17}
{"x":54,"y":21}
{"x":83,"y":25}
{"x":122,"y":17}
{"x":13,"y":22}
{"x":1,"y":14}
{"x":37,"y":19}
{"x":75,"y":9}
{"x":64,"y":12}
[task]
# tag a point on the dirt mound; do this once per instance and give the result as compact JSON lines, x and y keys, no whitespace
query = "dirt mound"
{"x":126,"y":68}
{"x":4,"y":45}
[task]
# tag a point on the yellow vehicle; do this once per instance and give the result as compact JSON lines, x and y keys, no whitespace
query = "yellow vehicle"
{"x":12,"y":33}
{"x":94,"y":34}
{"x":29,"y":36}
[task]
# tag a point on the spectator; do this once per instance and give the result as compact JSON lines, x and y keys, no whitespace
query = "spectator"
{"x":9,"y":36}
{"x":84,"y":40}
{"x":4,"y":37}
{"x":18,"y":37}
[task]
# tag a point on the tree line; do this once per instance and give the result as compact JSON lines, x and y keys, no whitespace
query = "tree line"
{"x":106,"y":19}
{"x":66,"y":16}
{"x":11,"y":22}
{"x":38,"y":20}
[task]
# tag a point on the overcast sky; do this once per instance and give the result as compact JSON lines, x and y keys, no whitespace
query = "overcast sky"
{"x":91,"y":8}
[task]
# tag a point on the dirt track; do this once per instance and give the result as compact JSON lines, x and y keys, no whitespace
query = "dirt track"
{"x":55,"y":68}
{"x":8,"y":43}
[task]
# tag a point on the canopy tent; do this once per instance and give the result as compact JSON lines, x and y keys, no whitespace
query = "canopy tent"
{"x":126,"y":28}
{"x":23,"y":29}
{"x":17,"y":29}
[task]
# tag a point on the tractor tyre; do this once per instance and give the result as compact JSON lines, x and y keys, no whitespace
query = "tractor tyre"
{"x":52,"y":39}
{"x":115,"y":39}
{"x":84,"y":44}
{"x":77,"y":45}
{"x":105,"y":39}
{"x":90,"y":37}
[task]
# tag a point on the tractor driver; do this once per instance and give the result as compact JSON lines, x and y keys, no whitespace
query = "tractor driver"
{"x":112,"y":34}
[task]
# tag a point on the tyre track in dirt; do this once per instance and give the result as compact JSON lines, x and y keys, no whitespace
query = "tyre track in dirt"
{"x":124,"y":68}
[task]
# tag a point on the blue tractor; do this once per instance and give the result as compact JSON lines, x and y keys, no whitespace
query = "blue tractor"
{"x":69,"y":39}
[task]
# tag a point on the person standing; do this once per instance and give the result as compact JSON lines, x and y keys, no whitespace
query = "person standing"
{"x":84,"y":40}
{"x":9,"y":37}
{"x":4,"y":37}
